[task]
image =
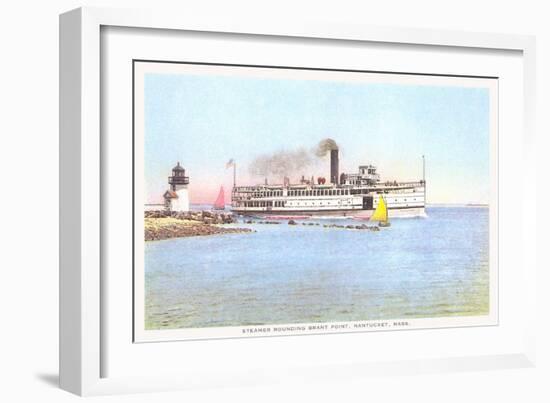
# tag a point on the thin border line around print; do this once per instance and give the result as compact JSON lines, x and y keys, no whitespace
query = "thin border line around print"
{"x":134,"y":61}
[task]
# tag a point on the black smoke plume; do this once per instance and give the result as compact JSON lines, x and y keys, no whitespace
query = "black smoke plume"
{"x":285,"y":162}
{"x":325,"y":146}
{"x":281,"y":163}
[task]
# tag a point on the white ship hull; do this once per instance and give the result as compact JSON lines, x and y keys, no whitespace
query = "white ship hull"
{"x":408,"y":212}
{"x":403,"y":200}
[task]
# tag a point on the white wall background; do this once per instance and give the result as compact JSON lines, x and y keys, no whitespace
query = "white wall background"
{"x":28,"y":169}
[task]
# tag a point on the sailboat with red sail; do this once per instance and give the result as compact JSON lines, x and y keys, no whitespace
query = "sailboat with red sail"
{"x":219,"y":204}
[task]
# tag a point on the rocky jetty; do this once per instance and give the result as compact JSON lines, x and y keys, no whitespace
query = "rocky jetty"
{"x":359,"y":227}
{"x":206,"y":217}
{"x":338,"y":226}
{"x":165,"y":224}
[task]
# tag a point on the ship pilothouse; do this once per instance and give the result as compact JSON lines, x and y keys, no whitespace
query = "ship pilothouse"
{"x":354,"y":194}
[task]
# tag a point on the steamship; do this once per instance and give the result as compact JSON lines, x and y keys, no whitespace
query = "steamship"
{"x":350,"y":195}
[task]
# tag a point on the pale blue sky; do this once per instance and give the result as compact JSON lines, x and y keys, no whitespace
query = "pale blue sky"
{"x":203,"y":121}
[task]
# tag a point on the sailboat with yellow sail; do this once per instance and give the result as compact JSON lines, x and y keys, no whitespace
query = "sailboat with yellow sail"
{"x":381,"y":213}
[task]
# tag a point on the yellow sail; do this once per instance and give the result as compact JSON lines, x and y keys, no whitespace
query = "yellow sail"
{"x":381,"y":212}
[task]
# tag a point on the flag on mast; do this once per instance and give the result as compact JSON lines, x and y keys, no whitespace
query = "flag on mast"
{"x":231,"y":163}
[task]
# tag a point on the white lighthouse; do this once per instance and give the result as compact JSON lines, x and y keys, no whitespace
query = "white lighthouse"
{"x":177,"y":197}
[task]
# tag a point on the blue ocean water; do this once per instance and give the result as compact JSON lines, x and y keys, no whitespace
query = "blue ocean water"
{"x":419,"y":267}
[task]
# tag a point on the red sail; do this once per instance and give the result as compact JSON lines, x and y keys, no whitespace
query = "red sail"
{"x":219,"y":204}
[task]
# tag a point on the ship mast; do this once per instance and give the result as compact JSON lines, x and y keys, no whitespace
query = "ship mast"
{"x":424,"y":176}
{"x":232,"y":163}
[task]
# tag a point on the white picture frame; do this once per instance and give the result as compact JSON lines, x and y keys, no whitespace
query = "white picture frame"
{"x":83,"y":349}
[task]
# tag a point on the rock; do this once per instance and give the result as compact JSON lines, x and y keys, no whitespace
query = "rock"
{"x":156,"y":214}
{"x":291,"y":222}
{"x":202,"y":216}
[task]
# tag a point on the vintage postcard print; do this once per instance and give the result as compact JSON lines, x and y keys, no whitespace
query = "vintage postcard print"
{"x":273,"y":201}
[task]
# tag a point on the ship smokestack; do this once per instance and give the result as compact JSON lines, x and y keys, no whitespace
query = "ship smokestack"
{"x":323,"y":148}
{"x":334,"y":166}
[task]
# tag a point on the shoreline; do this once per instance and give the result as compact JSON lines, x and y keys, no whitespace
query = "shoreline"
{"x":161,"y":225}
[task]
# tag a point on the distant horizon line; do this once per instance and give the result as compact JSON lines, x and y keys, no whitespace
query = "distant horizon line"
{"x":427,"y":204}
